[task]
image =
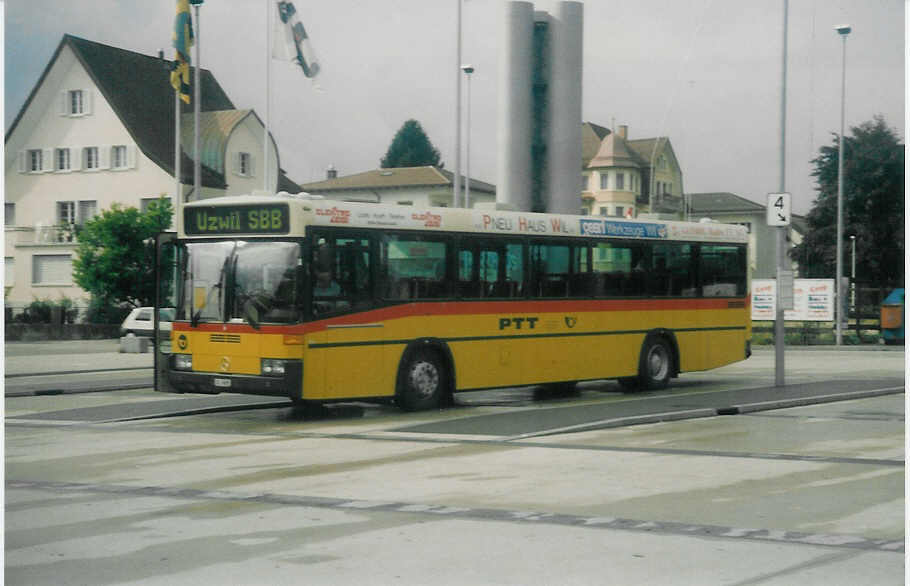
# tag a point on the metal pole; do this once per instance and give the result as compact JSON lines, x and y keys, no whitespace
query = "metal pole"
{"x":197,"y":170}
{"x":468,"y":70}
{"x":268,"y":100}
{"x":178,"y":191}
{"x":853,"y":274}
{"x":779,"y":330}
{"x":839,"y":294}
{"x":456,"y":183}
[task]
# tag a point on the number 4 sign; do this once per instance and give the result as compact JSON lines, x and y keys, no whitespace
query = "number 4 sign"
{"x":778,"y":209}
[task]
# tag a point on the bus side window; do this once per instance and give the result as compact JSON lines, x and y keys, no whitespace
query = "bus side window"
{"x":549,"y":270}
{"x":414,"y":266}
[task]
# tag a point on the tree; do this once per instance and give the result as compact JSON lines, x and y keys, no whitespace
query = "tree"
{"x":115,"y":260}
{"x":873,"y":208}
{"x":410,"y":148}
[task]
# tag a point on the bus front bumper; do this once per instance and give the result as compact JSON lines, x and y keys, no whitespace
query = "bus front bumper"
{"x":289,"y":385}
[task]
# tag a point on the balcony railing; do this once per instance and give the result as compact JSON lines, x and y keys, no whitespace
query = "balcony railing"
{"x":40,"y":234}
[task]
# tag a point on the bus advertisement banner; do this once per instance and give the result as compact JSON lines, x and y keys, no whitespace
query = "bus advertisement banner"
{"x":813,"y":300}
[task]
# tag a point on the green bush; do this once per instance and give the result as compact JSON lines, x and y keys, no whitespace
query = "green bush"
{"x":101,"y":311}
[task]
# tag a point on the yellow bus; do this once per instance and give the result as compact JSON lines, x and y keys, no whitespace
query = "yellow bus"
{"x":319,"y":300}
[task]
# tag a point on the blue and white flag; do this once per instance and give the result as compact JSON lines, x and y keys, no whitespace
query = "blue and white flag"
{"x":291,"y":41}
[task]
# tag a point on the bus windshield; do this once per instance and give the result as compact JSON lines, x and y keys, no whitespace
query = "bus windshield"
{"x":241,"y":281}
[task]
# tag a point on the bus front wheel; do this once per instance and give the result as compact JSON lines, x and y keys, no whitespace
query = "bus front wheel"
{"x":421,"y":382}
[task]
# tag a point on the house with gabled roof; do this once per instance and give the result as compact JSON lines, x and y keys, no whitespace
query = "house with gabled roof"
{"x":425,"y":186}
{"x":627,"y":178}
{"x":98,"y":129}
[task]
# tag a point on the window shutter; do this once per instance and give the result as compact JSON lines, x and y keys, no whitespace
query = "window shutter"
{"x":47,"y":160}
{"x":104,"y":156}
{"x":75,"y":158}
{"x":20,"y":161}
{"x":252,"y":165}
{"x":52,"y":269}
{"x":131,"y":156}
{"x":235,"y":163}
{"x":64,"y":108}
{"x":86,"y":101}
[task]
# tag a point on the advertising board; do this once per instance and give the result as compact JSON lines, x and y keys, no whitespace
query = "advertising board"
{"x":813,"y":300}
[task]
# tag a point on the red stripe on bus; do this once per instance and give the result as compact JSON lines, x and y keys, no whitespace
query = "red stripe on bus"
{"x":437,"y":308}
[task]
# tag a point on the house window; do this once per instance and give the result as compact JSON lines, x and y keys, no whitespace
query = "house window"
{"x":76,"y":104}
{"x":9,"y":214}
{"x":603,"y":211}
{"x":9,"y":271}
{"x":61,"y":159}
{"x":584,"y":182}
{"x":118,"y":157}
{"x":620,"y":181}
{"x":88,"y":209}
{"x":620,"y":211}
{"x":34,"y":160}
{"x":90,"y":158}
{"x":245,"y":161}
{"x":52,"y":269}
{"x":66,"y":212}
{"x":604,"y":180}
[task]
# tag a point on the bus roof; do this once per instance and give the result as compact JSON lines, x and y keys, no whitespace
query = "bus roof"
{"x":306,"y":210}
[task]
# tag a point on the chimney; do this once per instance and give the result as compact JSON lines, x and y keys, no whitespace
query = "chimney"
{"x":623,"y":132}
{"x":331,"y":172}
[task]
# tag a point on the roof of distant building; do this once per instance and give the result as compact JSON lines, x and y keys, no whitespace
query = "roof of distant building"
{"x":720,"y":202}
{"x":394,"y":178}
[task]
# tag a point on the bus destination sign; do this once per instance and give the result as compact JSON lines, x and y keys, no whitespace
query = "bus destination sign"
{"x":266,"y":218}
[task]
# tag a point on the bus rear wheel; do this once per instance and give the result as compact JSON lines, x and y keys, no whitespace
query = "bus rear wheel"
{"x":655,"y":367}
{"x":656,"y":364}
{"x":421,"y":381}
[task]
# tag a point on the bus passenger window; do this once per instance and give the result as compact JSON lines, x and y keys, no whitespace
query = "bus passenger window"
{"x":414,"y":267}
{"x":722,"y":270}
{"x":549,"y":270}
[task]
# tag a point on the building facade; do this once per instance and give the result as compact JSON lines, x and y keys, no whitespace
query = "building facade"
{"x":98,"y":129}
{"x":629,"y":178}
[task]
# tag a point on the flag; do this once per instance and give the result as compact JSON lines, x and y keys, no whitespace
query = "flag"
{"x":292,"y":42}
{"x":183,"y":40}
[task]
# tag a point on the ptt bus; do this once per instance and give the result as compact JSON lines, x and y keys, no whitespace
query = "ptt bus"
{"x":318,"y":300}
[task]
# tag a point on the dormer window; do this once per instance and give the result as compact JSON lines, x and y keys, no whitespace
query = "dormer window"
{"x":243,"y":164}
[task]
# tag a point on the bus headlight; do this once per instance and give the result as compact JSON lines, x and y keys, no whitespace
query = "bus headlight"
{"x":273,"y":367}
{"x":183,"y":361}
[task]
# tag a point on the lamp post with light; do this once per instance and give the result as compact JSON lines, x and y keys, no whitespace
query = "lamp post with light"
{"x":468,"y":70}
{"x":843,"y":30}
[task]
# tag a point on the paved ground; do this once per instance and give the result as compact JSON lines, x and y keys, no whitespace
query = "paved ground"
{"x":808,"y":495}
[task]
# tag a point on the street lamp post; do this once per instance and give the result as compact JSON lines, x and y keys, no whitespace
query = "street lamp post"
{"x":468,"y":70}
{"x":853,"y":272}
{"x":843,"y":30}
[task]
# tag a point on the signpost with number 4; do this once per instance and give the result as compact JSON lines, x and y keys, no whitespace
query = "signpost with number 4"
{"x":778,"y":209}
{"x":779,"y":216}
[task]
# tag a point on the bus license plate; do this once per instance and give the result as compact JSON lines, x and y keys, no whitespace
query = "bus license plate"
{"x":222,"y":383}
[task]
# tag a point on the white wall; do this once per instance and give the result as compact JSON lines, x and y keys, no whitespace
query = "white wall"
{"x":247,"y":137}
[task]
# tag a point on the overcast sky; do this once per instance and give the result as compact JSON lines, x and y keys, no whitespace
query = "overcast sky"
{"x":706,"y":73}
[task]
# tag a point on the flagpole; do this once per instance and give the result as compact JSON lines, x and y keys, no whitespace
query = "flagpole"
{"x":268,"y":87}
{"x":178,"y":197}
{"x":197,"y":170}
